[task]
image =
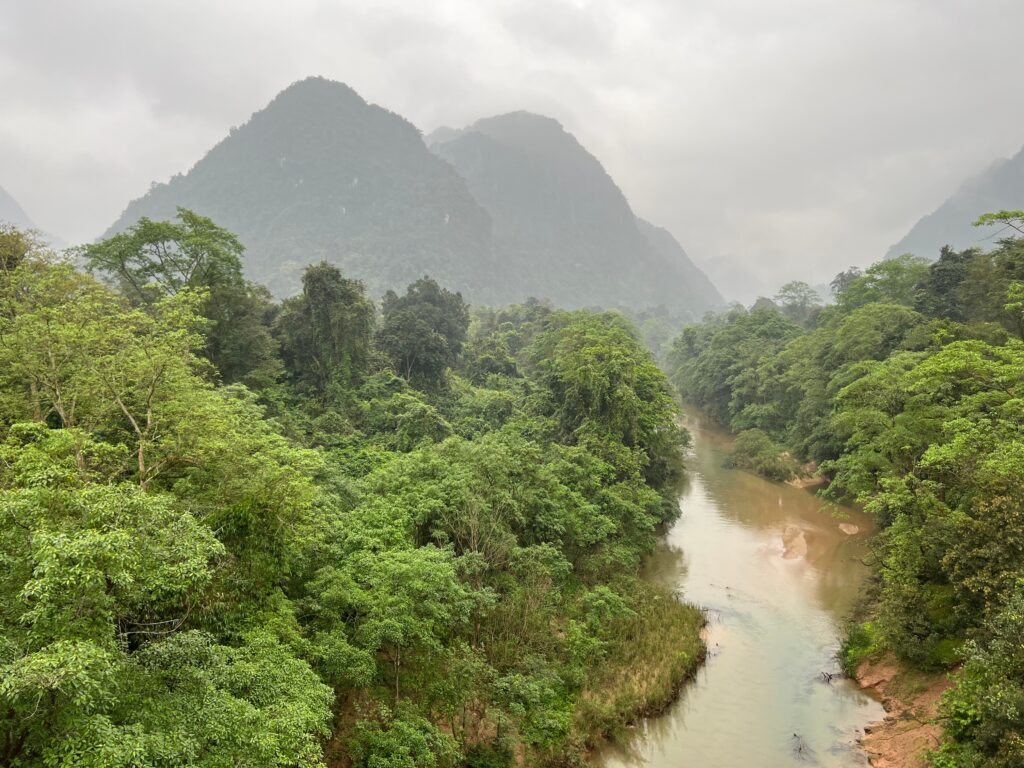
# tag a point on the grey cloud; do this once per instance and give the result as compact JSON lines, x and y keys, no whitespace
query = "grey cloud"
{"x":775,"y":138}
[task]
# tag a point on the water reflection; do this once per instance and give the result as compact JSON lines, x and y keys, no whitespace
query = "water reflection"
{"x":777,"y":575}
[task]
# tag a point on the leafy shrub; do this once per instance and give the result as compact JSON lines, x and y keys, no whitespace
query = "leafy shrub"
{"x":756,"y":451}
{"x":860,"y":642}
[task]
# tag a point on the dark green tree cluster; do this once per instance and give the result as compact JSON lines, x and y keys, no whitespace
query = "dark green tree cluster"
{"x":319,"y":537}
{"x":909,"y":391}
{"x":423,"y":332}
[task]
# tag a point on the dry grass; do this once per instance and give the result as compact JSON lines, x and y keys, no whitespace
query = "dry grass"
{"x":656,"y":652}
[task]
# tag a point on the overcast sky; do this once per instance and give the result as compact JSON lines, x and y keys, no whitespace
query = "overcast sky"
{"x":776,"y":139}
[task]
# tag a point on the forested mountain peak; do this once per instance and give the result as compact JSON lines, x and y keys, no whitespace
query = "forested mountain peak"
{"x":563,"y":222}
{"x":526,"y":129}
{"x":511,"y":207}
{"x":325,"y":103}
{"x":320,"y":174}
{"x":999,"y":187}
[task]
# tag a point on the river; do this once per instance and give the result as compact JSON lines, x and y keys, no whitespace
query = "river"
{"x":777,"y":576}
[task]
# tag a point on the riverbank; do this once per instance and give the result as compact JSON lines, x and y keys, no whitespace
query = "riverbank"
{"x":776,"y":576}
{"x":911,"y":701}
{"x":643,"y":674}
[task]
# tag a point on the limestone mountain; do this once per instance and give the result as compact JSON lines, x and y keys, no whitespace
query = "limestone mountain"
{"x":561,"y":227}
{"x":320,"y":174}
{"x":509,"y":208}
{"x":704,"y":295}
{"x":12,"y":213}
{"x":1000,"y":187}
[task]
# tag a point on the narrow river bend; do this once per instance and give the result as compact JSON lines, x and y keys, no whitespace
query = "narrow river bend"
{"x":777,"y":576}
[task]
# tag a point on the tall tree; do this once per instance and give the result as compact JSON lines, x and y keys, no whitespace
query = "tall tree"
{"x":798,"y":300}
{"x":325,"y":331}
{"x":423,"y":331}
{"x":844,"y":279}
{"x":938,"y":293}
{"x":155,"y":259}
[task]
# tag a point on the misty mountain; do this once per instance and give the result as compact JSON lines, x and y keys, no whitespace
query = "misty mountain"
{"x":1001,"y":187}
{"x":320,"y":174}
{"x":698,"y":286}
{"x":12,"y":213}
{"x":510,"y":208}
{"x":561,"y":227}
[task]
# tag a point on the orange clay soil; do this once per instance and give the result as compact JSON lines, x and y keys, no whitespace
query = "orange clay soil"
{"x":911,"y":701}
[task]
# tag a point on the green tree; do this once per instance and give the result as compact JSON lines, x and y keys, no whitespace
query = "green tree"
{"x":606,"y":392}
{"x":156,"y":259}
{"x":75,"y":354}
{"x":844,"y":280}
{"x":325,"y":332}
{"x":99,"y":588}
{"x":401,"y":739}
{"x":939,"y":293}
{"x":1006,"y":220}
{"x":423,"y":331}
{"x":893,"y":281}
{"x":984,"y":712}
{"x":798,"y":300}
{"x":16,"y":246}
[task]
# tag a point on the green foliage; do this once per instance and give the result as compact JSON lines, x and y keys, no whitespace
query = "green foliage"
{"x":423,"y":332}
{"x":1008,"y":219}
{"x":756,"y":451}
{"x":910,"y":392}
{"x":99,"y":583}
{"x":16,"y":247}
{"x":401,"y":739}
{"x":139,"y":505}
{"x":325,"y":332}
{"x":403,"y":421}
{"x":197,"y":574}
{"x":984,"y":712}
{"x":859,"y":643}
{"x":798,"y":301}
{"x":607,"y":394}
{"x":893,"y":281}
{"x":651,"y":649}
{"x":156,"y":259}
{"x":709,"y":362}
{"x":487,"y":756}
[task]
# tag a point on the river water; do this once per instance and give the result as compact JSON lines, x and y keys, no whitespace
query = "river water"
{"x":777,"y":576}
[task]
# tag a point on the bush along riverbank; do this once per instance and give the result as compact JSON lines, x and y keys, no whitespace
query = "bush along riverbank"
{"x":659,"y":650}
{"x":410,"y":533}
{"x":908,"y":392}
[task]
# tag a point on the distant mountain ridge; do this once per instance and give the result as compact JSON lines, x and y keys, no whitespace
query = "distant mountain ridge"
{"x":12,"y":213}
{"x":1000,"y":187}
{"x":561,"y":219}
{"x":509,"y":208}
{"x":320,"y":174}
{"x":697,"y":281}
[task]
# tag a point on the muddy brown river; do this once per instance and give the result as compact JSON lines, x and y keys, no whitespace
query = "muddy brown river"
{"x":777,"y":576}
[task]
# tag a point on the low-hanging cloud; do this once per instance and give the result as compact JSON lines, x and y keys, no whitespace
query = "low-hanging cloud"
{"x":776,"y":138}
